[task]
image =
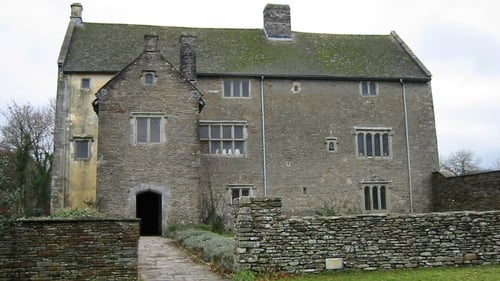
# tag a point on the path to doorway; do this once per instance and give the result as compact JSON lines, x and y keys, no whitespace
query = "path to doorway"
{"x":161,"y":259}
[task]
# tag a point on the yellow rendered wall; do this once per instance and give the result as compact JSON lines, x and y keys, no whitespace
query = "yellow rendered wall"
{"x":83,"y":122}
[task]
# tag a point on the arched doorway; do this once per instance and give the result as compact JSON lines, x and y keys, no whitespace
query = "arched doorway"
{"x":148,"y":209}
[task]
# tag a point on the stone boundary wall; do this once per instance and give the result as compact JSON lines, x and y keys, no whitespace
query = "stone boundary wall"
{"x":70,"y":249}
{"x":268,"y":241}
{"x":474,"y":192}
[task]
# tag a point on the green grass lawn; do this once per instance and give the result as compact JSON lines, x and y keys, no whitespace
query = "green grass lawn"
{"x":471,"y":273}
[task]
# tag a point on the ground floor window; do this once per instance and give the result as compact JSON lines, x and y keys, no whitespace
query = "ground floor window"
{"x":223,"y":138}
{"x":240,"y":191}
{"x":375,"y":197}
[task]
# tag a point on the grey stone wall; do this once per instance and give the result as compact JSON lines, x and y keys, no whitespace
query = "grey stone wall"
{"x":57,"y":249}
{"x":267,"y":240}
{"x":476,"y":192}
{"x":169,"y":168}
{"x":299,"y":168}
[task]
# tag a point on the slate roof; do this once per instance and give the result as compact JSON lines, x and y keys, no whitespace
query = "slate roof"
{"x":97,"y":47}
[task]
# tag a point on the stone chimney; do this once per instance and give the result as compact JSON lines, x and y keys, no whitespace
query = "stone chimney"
{"x":150,"y":42}
{"x":76,"y":13}
{"x":188,"y":55}
{"x":277,"y":22}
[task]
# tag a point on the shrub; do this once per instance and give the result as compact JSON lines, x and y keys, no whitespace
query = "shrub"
{"x":76,"y":213}
{"x":210,"y":246}
{"x":244,"y":275}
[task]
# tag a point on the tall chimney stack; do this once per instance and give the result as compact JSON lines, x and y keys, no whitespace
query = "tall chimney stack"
{"x":277,"y":22}
{"x":188,"y":56}
{"x":76,"y":13}
{"x":150,"y":42}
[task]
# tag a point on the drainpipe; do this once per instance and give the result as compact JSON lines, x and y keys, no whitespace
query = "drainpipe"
{"x":263,"y":125}
{"x":408,"y":156}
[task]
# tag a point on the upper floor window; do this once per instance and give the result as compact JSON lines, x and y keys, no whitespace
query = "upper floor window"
{"x":236,"y":88}
{"x":149,"y":77}
{"x":368,"y":88}
{"x":82,"y":148}
{"x":374,"y":197}
{"x":85,"y":83}
{"x":296,"y":88}
{"x":373,"y":142}
{"x":148,"y":128}
{"x":223,"y":138}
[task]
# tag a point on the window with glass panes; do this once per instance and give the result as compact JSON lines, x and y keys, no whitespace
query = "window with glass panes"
{"x":236,"y":88}
{"x":375,"y":197}
{"x":227,"y":139}
{"x":239,"y":191}
{"x":373,"y":142}
{"x":368,"y":88}
{"x":148,"y":128}
{"x":82,"y":149}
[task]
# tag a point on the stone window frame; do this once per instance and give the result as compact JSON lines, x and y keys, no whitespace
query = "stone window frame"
{"x":85,"y":83}
{"x":241,"y":189}
{"x":368,"y":88}
{"x":80,"y":143}
{"x":368,"y":138}
{"x":134,"y":116}
{"x":208,"y":141}
{"x":145,"y":77}
{"x":331,"y":144}
{"x":378,"y":193}
{"x":296,"y":88}
{"x":228,"y":88}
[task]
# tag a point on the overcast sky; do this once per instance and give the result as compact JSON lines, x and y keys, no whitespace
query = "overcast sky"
{"x":458,"y":41}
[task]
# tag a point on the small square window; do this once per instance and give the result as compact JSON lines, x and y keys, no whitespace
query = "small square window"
{"x":240,"y":191}
{"x":82,"y":149}
{"x":296,"y":88}
{"x":368,"y":88}
{"x":85,"y":83}
{"x":331,"y":144}
{"x":149,"y":78}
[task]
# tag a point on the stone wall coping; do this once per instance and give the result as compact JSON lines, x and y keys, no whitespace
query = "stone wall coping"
{"x":72,"y":220}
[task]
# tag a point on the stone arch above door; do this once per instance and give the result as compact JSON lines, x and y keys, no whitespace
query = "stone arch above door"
{"x":165,"y":196}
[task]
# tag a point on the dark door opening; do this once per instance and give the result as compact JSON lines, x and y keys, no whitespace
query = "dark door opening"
{"x":148,"y":209}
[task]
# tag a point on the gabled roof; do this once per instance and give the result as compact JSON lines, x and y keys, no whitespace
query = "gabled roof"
{"x":107,"y":48}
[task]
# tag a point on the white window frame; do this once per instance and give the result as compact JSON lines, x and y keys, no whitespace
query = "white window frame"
{"x":209,"y":142}
{"x":233,"y":84}
{"x":370,"y":147}
{"x":149,"y":115}
{"x":371,"y":88}
{"x":378,"y":193}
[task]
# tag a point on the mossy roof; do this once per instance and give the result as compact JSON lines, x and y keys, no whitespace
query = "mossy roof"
{"x":97,"y":47}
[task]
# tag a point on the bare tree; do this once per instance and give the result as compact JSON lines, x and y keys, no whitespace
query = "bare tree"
{"x":461,"y":163}
{"x":26,"y":139}
{"x":496,"y":165}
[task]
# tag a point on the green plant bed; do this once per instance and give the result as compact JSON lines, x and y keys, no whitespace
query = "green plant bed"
{"x":211,"y":247}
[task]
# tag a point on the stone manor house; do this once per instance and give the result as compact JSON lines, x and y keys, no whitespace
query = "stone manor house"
{"x":163,"y":122}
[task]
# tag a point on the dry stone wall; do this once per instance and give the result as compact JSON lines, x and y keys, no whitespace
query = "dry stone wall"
{"x":474,"y":192}
{"x":69,"y":250}
{"x":267,"y":240}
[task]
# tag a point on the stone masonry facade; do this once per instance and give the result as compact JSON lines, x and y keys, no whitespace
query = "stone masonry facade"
{"x":474,"y":192}
{"x":70,"y":249}
{"x":266,"y":240}
{"x":197,"y":117}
